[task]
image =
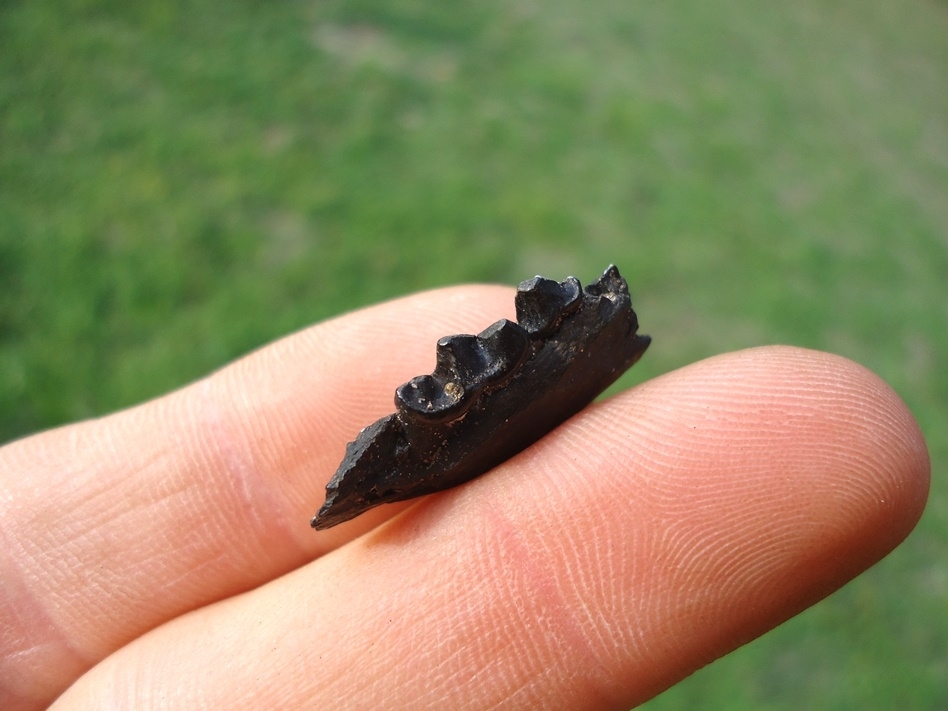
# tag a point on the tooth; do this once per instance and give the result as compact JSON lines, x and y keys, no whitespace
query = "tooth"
{"x":430,"y":399}
{"x":543,"y":303}
{"x":610,"y":284}
{"x":505,"y":346}
{"x":460,"y":358}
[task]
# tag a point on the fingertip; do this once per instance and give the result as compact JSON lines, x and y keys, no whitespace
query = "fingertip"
{"x":778,"y":474}
{"x":869,"y":438}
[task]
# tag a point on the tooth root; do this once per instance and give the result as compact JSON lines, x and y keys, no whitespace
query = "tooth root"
{"x":543,"y":303}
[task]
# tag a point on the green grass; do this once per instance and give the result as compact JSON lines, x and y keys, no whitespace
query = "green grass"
{"x":183,"y":182}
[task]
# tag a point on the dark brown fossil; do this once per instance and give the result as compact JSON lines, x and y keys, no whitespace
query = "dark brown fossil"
{"x":491,"y":395}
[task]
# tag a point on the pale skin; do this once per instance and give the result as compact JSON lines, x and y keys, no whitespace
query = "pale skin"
{"x":161,"y":558}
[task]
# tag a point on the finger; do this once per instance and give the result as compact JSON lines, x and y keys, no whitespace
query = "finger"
{"x":110,"y":527}
{"x":640,"y":540}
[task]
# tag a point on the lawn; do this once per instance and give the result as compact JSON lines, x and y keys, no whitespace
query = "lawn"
{"x":183,"y":182}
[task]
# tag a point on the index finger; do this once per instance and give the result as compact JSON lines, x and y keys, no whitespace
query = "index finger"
{"x":113,"y":526}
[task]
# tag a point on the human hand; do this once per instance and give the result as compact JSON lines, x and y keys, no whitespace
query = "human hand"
{"x":161,"y":557}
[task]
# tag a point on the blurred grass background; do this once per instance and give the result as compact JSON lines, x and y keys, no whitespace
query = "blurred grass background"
{"x":183,"y":182}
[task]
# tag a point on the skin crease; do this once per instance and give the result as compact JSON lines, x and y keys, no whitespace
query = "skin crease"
{"x":165,"y":549}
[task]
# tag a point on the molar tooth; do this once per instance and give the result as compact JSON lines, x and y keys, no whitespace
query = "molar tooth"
{"x":543,"y":303}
